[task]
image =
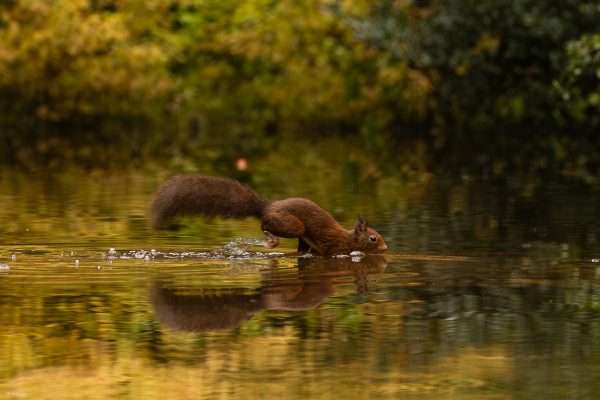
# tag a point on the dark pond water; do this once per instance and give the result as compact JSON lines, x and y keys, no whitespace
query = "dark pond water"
{"x":490,"y":290}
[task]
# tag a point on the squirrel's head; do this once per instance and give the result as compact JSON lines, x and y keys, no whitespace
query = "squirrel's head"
{"x":367,"y":239}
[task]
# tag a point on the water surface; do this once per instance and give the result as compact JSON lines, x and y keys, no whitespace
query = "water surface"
{"x":490,"y":291}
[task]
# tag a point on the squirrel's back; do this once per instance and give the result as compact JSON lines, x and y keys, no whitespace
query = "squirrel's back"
{"x":205,"y":195}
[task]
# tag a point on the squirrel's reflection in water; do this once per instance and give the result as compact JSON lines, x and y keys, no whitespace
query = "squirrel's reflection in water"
{"x":225,"y":309}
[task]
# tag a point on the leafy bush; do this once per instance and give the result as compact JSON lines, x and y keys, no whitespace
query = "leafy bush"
{"x":223,"y":76}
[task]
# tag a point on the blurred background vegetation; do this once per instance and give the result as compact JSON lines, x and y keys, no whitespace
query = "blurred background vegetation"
{"x":486,"y":86}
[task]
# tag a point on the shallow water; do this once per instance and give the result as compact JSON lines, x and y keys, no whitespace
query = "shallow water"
{"x":490,"y":290}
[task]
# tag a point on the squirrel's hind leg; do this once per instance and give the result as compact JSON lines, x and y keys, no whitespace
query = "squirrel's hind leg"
{"x":281,"y":224}
{"x":270,"y":240}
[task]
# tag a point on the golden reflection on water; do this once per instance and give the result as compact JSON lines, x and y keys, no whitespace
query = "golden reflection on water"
{"x":469,"y":304}
{"x":226,"y":375}
{"x":222,"y":331}
{"x":274,"y":328}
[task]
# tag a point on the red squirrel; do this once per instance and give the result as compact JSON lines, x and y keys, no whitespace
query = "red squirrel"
{"x":316,"y":229}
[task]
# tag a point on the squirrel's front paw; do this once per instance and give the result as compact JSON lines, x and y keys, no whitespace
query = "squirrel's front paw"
{"x":270,"y":240}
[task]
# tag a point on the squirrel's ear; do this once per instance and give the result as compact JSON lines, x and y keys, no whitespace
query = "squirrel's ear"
{"x":361,"y":224}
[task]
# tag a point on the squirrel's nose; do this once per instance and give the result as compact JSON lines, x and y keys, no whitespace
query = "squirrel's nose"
{"x":383,"y":247}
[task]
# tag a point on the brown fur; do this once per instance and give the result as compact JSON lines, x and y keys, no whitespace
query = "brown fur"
{"x":290,"y":218}
{"x":207,"y":195}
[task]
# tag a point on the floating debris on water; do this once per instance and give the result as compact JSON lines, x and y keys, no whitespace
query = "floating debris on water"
{"x":341,"y":256}
{"x":357,"y":253}
{"x":77,"y":263}
{"x":357,"y":256}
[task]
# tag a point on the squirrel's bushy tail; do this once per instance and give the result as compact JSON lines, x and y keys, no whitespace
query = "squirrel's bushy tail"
{"x":204,"y":195}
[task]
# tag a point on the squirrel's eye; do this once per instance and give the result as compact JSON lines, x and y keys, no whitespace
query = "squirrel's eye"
{"x":373,"y":238}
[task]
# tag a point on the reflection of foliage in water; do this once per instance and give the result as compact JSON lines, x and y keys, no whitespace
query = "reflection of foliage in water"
{"x":481,"y":327}
{"x":520,"y":306}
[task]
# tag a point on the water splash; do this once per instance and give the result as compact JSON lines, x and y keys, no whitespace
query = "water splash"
{"x":237,"y":249}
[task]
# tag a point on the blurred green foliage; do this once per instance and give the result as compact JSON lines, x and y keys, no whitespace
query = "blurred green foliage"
{"x":494,"y":63}
{"x":191,"y":77}
{"x":581,"y":84}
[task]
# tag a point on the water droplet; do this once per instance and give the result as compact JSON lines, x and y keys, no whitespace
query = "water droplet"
{"x":140,"y":254}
